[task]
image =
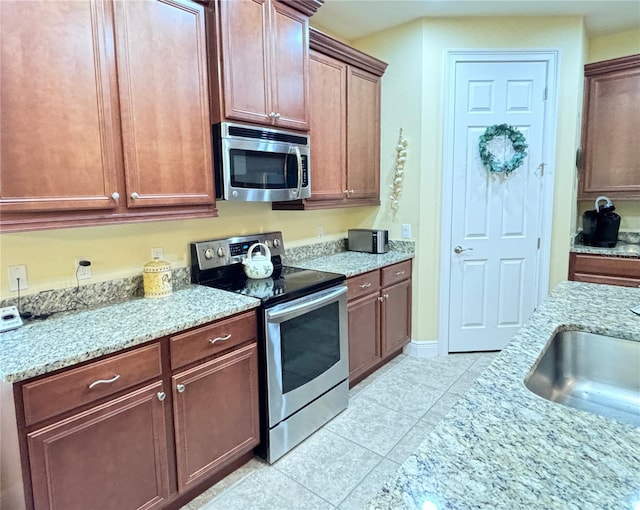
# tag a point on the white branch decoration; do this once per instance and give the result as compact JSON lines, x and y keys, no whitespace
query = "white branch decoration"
{"x":398,"y":176}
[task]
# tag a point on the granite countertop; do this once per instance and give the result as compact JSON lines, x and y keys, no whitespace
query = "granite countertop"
{"x":352,"y":263}
{"x":39,"y":347}
{"x":628,"y":245}
{"x":62,"y":341}
{"x":503,"y":447}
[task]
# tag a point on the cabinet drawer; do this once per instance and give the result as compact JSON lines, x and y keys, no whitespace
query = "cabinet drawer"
{"x":58,"y":393}
{"x":212,"y":339}
{"x":396,"y":273}
{"x":609,"y":266}
{"x":363,"y":284}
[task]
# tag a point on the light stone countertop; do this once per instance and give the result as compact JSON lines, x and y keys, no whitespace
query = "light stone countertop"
{"x":39,"y":347}
{"x":628,"y":245}
{"x":503,"y":447}
{"x":352,"y":263}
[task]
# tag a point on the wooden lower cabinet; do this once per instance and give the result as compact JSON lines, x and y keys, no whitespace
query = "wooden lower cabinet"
{"x":119,"y":439}
{"x":379,"y":318}
{"x":622,"y":271}
{"x":396,"y":317}
{"x":111,"y":457}
{"x":364,"y":335}
{"x":215,"y":409}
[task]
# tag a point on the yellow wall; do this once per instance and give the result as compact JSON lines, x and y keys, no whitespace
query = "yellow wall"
{"x":118,"y":251}
{"x":421,"y":72}
{"x":614,"y":46}
{"x":605,"y":48}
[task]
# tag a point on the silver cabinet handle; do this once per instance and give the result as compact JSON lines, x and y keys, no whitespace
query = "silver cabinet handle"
{"x":381,"y":299}
{"x":161,"y":395}
{"x":400,"y":273}
{"x":115,"y":195}
{"x":180,"y":388}
{"x":220,"y":339}
{"x":365,"y":285}
{"x":459,"y":249}
{"x":134,"y":196}
{"x":277,"y":115}
{"x":272,"y":115}
{"x":104,"y":381}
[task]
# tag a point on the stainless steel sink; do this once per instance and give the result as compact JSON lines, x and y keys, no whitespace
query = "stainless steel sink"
{"x":595,"y":373}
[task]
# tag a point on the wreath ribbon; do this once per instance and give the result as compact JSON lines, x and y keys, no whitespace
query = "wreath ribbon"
{"x":518,"y":142}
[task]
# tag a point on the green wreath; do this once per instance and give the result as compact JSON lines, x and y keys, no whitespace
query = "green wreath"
{"x":518,"y":142}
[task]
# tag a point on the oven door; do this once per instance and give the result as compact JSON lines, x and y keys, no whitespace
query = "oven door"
{"x":264,"y":171}
{"x":307,"y":350}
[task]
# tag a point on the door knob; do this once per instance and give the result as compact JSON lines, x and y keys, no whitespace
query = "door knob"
{"x":459,"y":249}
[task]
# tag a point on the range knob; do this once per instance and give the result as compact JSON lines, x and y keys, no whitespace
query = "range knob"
{"x":208,"y":254}
{"x":220,"y":252}
{"x":276,"y":243}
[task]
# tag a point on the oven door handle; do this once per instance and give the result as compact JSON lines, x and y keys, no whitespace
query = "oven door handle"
{"x":288,"y":311}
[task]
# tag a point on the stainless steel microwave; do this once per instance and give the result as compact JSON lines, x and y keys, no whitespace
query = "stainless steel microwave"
{"x":256,"y":164}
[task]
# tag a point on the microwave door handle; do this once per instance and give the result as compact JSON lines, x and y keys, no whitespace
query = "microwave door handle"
{"x":296,"y":150}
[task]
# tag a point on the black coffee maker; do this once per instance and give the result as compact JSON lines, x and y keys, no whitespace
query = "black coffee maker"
{"x":600,"y":226}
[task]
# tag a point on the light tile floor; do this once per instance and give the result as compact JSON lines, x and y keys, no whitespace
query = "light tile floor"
{"x":345,"y":463}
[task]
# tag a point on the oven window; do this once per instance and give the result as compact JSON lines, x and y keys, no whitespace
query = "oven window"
{"x":310,"y":345}
{"x":262,"y":170}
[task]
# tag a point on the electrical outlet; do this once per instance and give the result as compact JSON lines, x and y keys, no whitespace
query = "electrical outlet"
{"x":16,"y":272}
{"x":83,"y":269}
{"x":157,"y":253}
{"x":406,"y":231}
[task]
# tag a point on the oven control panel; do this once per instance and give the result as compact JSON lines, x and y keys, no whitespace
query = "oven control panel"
{"x":224,"y":252}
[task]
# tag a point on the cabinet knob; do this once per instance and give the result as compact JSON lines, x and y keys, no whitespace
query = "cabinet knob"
{"x":277,"y":115}
{"x":134,"y":196}
{"x":381,"y":299}
{"x":180,"y":388}
{"x":115,"y":195}
{"x":386,"y":296}
{"x":272,"y":115}
{"x":161,"y":395}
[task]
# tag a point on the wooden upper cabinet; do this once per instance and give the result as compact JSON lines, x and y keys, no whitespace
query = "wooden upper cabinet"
{"x":363,"y":135}
{"x":344,"y":127}
{"x":58,"y":129}
{"x":104,"y":113}
{"x":262,"y":59}
{"x":610,"y":127}
{"x":162,"y":74}
{"x":328,"y":111}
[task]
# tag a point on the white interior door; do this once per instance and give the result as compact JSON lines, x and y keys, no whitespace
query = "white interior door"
{"x":495,"y":220}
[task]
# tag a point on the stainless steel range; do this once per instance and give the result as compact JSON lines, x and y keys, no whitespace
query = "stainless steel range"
{"x":303,"y":346}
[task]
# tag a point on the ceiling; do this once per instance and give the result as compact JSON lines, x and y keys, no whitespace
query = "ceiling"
{"x":352,"y":19}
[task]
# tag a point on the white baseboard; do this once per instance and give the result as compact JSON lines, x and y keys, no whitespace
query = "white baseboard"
{"x":422,"y":349}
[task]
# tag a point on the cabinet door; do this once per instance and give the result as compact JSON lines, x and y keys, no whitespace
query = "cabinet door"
{"x":162,"y":73}
{"x":328,"y":127}
{"x":244,"y":59}
{"x":111,"y":457}
{"x":363,"y":136}
{"x":57,"y":106}
{"x":364,"y":336}
{"x":610,"y":130}
{"x":396,"y":317}
{"x":216,"y":413}
{"x":289,"y":67}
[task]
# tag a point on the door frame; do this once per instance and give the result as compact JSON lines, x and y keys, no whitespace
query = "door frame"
{"x":453,"y":57}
